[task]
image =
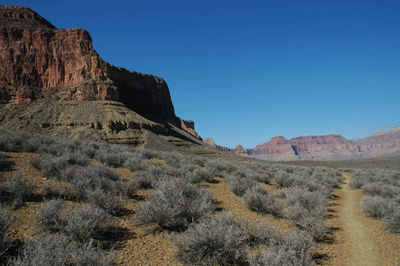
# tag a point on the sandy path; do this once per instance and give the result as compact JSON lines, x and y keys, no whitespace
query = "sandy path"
{"x":363,"y":246}
{"x":358,"y":239}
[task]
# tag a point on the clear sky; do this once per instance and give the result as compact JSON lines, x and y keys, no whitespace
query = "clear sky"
{"x":246,"y":71}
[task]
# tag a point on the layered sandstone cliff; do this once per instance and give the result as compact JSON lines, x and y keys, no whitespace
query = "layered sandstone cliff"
{"x":53,"y":82}
{"x":304,"y":145}
{"x":323,"y":147}
{"x":328,"y":147}
{"x":38,"y":60}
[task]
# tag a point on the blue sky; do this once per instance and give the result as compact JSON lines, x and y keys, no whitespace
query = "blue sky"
{"x":246,"y":71}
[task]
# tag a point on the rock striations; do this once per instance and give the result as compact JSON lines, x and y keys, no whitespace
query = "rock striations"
{"x":307,"y":145}
{"x":324,"y":147}
{"x":53,"y":81}
{"x":37,"y":60}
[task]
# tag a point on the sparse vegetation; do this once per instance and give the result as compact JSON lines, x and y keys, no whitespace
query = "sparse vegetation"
{"x":20,"y":188}
{"x":175,"y":204}
{"x":228,"y":240}
{"x":81,"y":224}
{"x":60,"y":250}
{"x":382,"y":190}
{"x":83,"y":191}
{"x":258,"y":199}
{"x":239,"y":184}
{"x":6,"y":220}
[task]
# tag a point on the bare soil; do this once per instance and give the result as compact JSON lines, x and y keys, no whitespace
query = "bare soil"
{"x":357,"y":239}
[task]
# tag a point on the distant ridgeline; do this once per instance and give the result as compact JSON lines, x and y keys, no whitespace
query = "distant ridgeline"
{"x":325,"y":147}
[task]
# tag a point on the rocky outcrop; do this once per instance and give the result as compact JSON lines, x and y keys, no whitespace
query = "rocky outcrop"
{"x":188,"y":126}
{"x":210,"y":142}
{"x":383,"y":132}
{"x":39,"y":61}
{"x":239,"y":150}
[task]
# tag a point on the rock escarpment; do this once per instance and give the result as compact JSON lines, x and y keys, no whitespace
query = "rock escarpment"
{"x":323,"y":147}
{"x":303,"y":146}
{"x":53,"y":69}
{"x":328,"y":147}
{"x":38,"y":60}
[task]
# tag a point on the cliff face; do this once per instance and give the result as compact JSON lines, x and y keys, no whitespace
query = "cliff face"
{"x":304,"y":145}
{"x":328,"y":147}
{"x":37,"y":61}
{"x":188,"y":126}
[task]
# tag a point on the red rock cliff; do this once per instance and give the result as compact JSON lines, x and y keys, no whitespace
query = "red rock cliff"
{"x":37,"y":60}
{"x":304,"y":145}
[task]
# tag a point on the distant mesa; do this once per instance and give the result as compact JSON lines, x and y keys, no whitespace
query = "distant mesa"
{"x":324,"y":147}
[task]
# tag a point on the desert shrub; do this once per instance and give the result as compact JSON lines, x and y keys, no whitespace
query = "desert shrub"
{"x":59,"y":250}
{"x":50,"y":214}
{"x":197,"y":160}
{"x":239,"y":185}
{"x":91,"y":147}
{"x":262,"y":177}
{"x":128,"y":188}
{"x":6,"y":220}
{"x":90,"y":177}
{"x":80,"y":223}
{"x":92,"y":171}
{"x":307,"y":210}
{"x":294,"y":249}
{"x":279,"y":194}
{"x":112,"y":159}
{"x":220,"y":240}
{"x":3,"y":160}
{"x":313,"y":185}
{"x":283,"y":178}
{"x":223,"y":240}
{"x":220,"y":166}
{"x":106,"y":200}
{"x":173,"y":159}
{"x":52,"y":166}
{"x":201,"y":175}
{"x":20,"y":187}
{"x":12,"y":141}
{"x":149,"y":177}
{"x":257,"y":199}
{"x":357,"y":182}
{"x":35,"y":142}
{"x":99,"y":191}
{"x":377,"y":206}
{"x":305,"y":198}
{"x":136,"y":162}
{"x":327,"y":180}
{"x":252,"y":171}
{"x":60,"y":146}
{"x":56,"y":189}
{"x":85,"y":222}
{"x":380,"y":189}
{"x":175,"y":203}
{"x":393,"y":220}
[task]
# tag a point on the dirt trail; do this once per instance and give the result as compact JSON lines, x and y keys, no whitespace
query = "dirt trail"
{"x":358,"y":240}
{"x":363,"y":248}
